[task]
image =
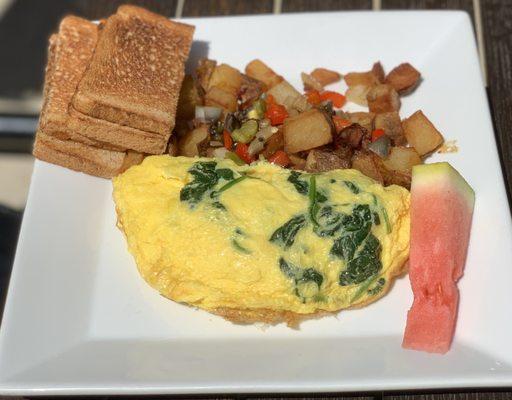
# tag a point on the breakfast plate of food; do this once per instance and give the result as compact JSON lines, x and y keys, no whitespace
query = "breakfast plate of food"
{"x":302,"y":213}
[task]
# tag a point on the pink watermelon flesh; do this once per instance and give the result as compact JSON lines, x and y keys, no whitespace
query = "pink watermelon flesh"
{"x":441,"y":212}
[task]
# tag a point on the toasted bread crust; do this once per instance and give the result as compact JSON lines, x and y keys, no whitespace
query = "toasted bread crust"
{"x":135,"y":74}
{"x":83,"y":158}
{"x":69,"y":154}
{"x":69,"y":53}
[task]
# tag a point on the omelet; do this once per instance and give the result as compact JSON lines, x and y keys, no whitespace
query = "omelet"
{"x":259,"y":242}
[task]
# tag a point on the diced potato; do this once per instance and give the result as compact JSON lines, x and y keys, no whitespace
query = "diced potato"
{"x":361,"y":78}
{"x":306,"y":131}
{"x":421,"y":133}
{"x":250,"y":90}
{"x":378,"y":71}
{"x":188,"y":100}
{"x":217,"y":97}
{"x":301,"y":104}
{"x":403,"y":78}
{"x":368,"y":164}
{"x":257,"y":69}
{"x":383,"y":98}
{"x":402,"y":159}
{"x":365,"y":119}
{"x":325,"y":76}
{"x":204,"y":71}
{"x":352,"y":136}
{"x":324,"y":160}
{"x":297,"y":162}
{"x":172,"y":146}
{"x":226,"y":78}
{"x":284,"y":94}
{"x":357,"y":94}
{"x":392,"y":125}
{"x":274,"y":143}
{"x":310,"y":83}
{"x":397,"y":178}
{"x":193,"y":142}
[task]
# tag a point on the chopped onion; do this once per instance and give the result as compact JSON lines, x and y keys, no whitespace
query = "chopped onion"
{"x":381,"y":146}
{"x":205,"y":113}
{"x":265,"y":133}
{"x":264,"y":123}
{"x":256,"y":146}
{"x":216,"y":143}
{"x":258,"y":143}
{"x":220,"y":152}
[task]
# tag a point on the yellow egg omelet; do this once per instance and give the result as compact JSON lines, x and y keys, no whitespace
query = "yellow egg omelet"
{"x":259,"y":242}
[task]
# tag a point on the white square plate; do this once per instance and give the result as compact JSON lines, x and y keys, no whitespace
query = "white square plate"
{"x":80,"y":320}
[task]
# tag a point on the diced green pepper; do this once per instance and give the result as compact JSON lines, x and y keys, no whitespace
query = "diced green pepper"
{"x":246,"y":132}
{"x":233,"y":157}
{"x":257,"y":110}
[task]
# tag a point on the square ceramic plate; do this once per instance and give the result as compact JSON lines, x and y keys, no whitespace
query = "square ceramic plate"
{"x":80,"y":320}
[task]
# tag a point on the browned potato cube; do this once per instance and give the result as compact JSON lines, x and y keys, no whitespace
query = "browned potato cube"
{"x":193,"y":142}
{"x":226,"y":78}
{"x":365,"y":119}
{"x":361,"y":78}
{"x":250,"y":90}
{"x":325,"y":76}
{"x":204,"y":71}
{"x":353,"y":136}
{"x":421,"y":133}
{"x":306,"y":131}
{"x":392,"y":125}
{"x":403,"y":78}
{"x":324,"y":160}
{"x":188,"y":100}
{"x":383,"y":98}
{"x":297,"y":162}
{"x":402,"y":159}
{"x":274,"y":143}
{"x":310,"y":83}
{"x":172,"y":146}
{"x":257,"y":69}
{"x":378,"y":71}
{"x":284,"y":94}
{"x":368,"y":164}
{"x":397,"y":178}
{"x":357,"y":94}
{"x":216,"y":97}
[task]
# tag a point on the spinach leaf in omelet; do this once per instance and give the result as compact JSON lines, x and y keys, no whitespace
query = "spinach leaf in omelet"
{"x":301,"y":186}
{"x":364,"y":265}
{"x":352,"y":186}
{"x":206,"y":177}
{"x":285,"y":235}
{"x":301,"y":278}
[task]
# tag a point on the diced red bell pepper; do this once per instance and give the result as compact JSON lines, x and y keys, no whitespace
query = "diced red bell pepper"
{"x":377,"y":133}
{"x":280,"y":158}
{"x":276,"y":113}
{"x":337,"y":99}
{"x":313,"y":97}
{"x":242,"y":151}
{"x":228,"y":140}
{"x":340,"y":123}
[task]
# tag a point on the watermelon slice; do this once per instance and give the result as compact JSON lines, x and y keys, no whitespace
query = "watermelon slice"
{"x":441,"y":211}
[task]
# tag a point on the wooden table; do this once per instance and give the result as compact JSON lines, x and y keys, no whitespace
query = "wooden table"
{"x":492,"y":21}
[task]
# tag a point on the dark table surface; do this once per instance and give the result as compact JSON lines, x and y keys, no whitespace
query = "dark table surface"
{"x":492,"y":20}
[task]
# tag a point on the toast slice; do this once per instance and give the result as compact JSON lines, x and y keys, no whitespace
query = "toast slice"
{"x":135,"y":74}
{"x":83,"y":158}
{"x":68,"y":56}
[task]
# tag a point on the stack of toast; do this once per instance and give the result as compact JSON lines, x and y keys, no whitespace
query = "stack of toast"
{"x":111,"y":90}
